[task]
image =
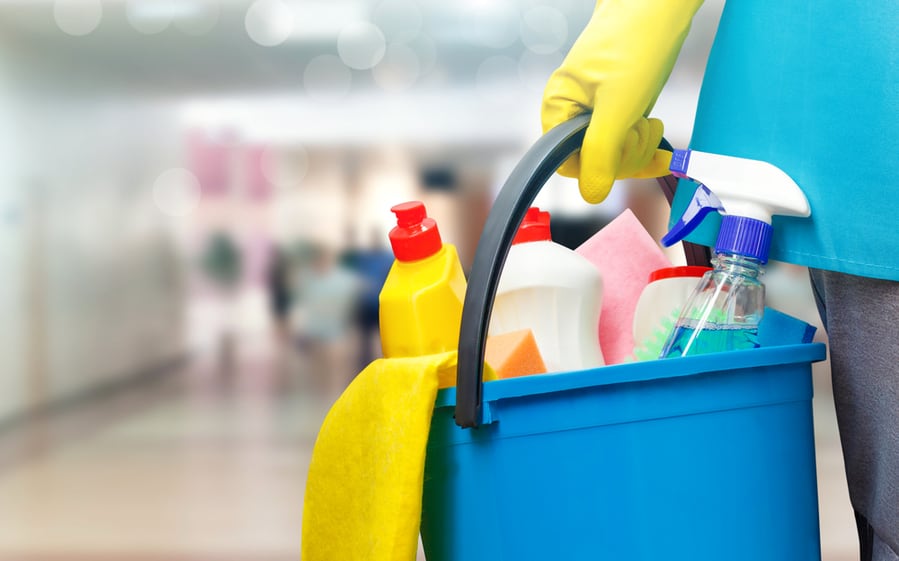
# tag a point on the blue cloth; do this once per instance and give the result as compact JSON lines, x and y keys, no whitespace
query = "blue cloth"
{"x":812,"y":87}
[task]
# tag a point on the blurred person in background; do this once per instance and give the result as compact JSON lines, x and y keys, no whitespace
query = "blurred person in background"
{"x":222,"y":265}
{"x":371,"y":265}
{"x":279,"y":288}
{"x":795,"y":84}
{"x":326,"y":295}
{"x":279,"y":282}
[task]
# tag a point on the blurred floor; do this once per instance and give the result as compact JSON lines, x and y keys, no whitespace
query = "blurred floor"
{"x":202,"y":463}
{"x":206,"y":463}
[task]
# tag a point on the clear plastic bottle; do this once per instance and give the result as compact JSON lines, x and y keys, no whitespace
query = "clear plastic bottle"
{"x":724,"y":311}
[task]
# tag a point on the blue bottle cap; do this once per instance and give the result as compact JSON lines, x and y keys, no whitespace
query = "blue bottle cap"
{"x":744,"y":236}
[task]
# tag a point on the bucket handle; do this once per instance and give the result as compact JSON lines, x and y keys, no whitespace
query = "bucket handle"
{"x":513,"y":201}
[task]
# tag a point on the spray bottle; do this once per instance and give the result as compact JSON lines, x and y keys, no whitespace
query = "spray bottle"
{"x":724,"y":310}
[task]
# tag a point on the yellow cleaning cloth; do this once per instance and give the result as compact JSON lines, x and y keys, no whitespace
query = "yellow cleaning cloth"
{"x":363,"y":492}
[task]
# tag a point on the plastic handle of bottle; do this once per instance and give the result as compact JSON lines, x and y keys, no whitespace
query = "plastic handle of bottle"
{"x":513,"y":201}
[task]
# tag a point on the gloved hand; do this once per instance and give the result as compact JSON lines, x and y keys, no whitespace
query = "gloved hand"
{"x":616,"y":69}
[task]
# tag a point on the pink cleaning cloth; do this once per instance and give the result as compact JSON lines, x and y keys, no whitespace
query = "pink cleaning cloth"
{"x":625,"y":255}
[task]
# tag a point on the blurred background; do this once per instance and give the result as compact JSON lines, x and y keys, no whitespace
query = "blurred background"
{"x":194,"y":207}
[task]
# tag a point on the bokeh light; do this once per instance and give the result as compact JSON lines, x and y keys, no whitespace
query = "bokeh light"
{"x":398,"y":70}
{"x":361,"y":45}
{"x":399,"y":20}
{"x":544,"y":30}
{"x":269,"y":22}
{"x":177,"y":192}
{"x":284,"y":168}
{"x":201,"y":19}
{"x":426,"y":50}
{"x":77,"y":17}
{"x":496,"y":25}
{"x":534,"y":69}
{"x":145,"y":19}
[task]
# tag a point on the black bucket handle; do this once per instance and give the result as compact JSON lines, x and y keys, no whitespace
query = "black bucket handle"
{"x":513,"y":201}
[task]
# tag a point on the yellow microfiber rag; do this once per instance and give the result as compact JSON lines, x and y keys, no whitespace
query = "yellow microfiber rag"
{"x":364,"y":489}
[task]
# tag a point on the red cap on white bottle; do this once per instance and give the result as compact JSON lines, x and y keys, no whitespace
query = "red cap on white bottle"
{"x":534,"y":227}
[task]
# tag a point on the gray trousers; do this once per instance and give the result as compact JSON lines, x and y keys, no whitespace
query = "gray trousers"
{"x":861,"y":316}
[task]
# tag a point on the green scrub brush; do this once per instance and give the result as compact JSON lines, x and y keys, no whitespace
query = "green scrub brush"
{"x":651,"y":347}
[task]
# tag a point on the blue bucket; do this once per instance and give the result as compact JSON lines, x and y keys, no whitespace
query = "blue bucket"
{"x":699,"y":458}
{"x":696,"y":458}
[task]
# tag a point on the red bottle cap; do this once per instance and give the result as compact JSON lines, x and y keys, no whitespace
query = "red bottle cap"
{"x":671,"y":272}
{"x":534,"y":227}
{"x":415,"y":235}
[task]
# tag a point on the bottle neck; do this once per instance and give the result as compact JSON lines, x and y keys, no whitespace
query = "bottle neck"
{"x":742,"y":265}
{"x":437,"y":255}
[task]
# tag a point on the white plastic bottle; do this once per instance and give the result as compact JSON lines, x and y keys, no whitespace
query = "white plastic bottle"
{"x":660,"y":305}
{"x":554,"y":292}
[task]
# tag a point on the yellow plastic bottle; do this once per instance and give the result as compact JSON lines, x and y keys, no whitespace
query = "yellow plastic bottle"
{"x":421,"y":301}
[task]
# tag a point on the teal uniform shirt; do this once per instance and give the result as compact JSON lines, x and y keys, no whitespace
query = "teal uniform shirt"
{"x":812,"y":87}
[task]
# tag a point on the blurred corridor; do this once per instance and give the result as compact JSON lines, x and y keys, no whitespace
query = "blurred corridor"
{"x":194,"y":206}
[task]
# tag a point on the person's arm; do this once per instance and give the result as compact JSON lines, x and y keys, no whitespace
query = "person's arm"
{"x":616,"y":69}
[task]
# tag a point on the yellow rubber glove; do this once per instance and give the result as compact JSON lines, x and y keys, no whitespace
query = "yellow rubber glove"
{"x":616,"y":69}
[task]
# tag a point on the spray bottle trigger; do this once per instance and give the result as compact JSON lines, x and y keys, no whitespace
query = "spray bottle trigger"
{"x":702,"y":203}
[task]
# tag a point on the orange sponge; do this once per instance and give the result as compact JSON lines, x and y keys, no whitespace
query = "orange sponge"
{"x":514,"y":354}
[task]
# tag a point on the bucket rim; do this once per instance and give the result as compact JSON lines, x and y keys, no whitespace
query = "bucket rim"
{"x":646,"y":371}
